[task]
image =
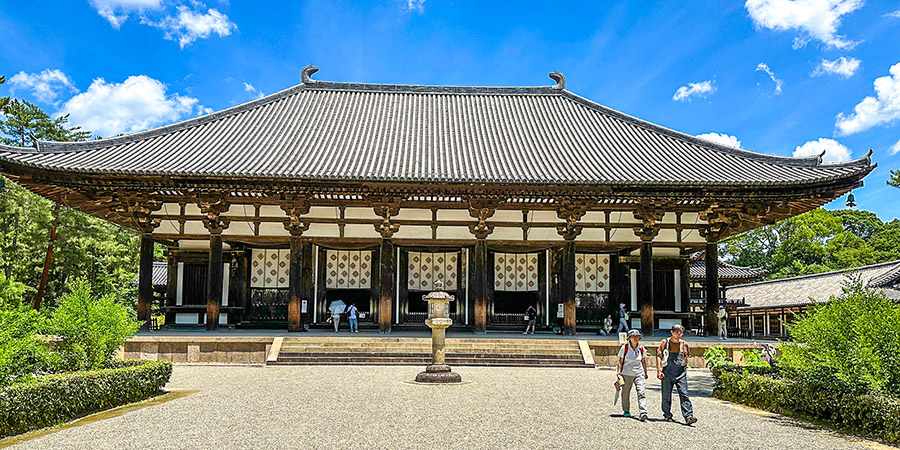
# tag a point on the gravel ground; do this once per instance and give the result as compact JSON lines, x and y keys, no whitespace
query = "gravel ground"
{"x":370,"y":407}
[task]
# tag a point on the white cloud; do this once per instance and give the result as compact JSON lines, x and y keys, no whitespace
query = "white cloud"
{"x":702,"y":89}
{"x":834,"y":150}
{"x":188,"y":25}
{"x":765,"y":68}
{"x":721,"y":139}
{"x":895,"y":148}
{"x":138,"y":103}
{"x":895,"y":14}
{"x":45,"y":86}
{"x":842,"y":66}
{"x":882,"y":109}
{"x":416,"y":5}
{"x":814,"y":19}
{"x":117,"y":11}
{"x":256,"y":93}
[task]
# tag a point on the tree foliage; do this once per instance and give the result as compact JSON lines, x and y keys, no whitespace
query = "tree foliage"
{"x":854,"y":337}
{"x":894,"y":180}
{"x":816,"y":241}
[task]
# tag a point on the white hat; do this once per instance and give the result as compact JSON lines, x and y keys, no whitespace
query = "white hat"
{"x":621,"y":305}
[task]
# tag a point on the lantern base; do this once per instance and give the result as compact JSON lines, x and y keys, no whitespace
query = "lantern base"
{"x":438,"y":373}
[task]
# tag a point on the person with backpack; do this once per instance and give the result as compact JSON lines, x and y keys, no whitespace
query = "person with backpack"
{"x":531,"y":317}
{"x":623,"y":319}
{"x":632,"y":368}
{"x":671,"y":368}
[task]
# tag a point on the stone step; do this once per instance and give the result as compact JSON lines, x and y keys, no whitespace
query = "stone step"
{"x":404,"y":361}
{"x":427,"y":345}
{"x":351,"y":355}
{"x":427,"y":350}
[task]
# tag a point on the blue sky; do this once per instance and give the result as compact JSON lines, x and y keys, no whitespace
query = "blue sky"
{"x":779,"y":76}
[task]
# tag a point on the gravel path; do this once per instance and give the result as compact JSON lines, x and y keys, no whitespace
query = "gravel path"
{"x":371,"y":407}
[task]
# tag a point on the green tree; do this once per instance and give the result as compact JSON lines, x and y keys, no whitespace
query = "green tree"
{"x":23,"y":122}
{"x":894,"y":180}
{"x":816,"y":241}
{"x":90,"y":327}
{"x":3,"y":100}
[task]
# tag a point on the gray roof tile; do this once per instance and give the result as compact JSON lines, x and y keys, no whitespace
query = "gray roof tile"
{"x":349,"y":131}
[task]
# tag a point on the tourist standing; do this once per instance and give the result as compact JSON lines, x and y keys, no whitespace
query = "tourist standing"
{"x":336,"y":319}
{"x":722,"y":315}
{"x":623,"y":319}
{"x":671,"y":368}
{"x":607,"y":325}
{"x":353,"y":313}
{"x":633,"y":369}
{"x":531,"y":317}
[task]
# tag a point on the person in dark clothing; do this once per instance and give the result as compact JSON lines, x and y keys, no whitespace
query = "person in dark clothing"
{"x":531,"y":317}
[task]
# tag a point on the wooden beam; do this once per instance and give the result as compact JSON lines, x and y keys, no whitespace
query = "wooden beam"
{"x":480,"y":285}
{"x":712,"y":287}
{"x":387,"y":271}
{"x":214,"y":280}
{"x":295,"y":284}
{"x":567,"y":287}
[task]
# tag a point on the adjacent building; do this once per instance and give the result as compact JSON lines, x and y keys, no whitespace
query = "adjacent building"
{"x":369,"y":193}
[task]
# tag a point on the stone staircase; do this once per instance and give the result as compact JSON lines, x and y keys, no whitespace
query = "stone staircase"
{"x":417,"y":351}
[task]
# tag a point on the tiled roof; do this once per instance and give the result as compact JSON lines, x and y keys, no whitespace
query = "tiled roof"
{"x":370,"y":132}
{"x":811,"y":288}
{"x":727,"y":271}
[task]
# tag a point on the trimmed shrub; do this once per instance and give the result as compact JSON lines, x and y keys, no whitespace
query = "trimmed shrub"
{"x":874,"y":415}
{"x":54,"y":399}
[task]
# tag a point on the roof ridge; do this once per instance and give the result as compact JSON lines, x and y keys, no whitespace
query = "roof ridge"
{"x":810,"y":161}
{"x":814,"y":275}
{"x":889,"y":276}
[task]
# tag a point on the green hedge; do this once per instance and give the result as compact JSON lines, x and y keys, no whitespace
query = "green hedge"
{"x":54,"y":399}
{"x":877,"y":416}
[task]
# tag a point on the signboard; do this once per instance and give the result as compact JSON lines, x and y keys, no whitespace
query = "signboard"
{"x":560,"y":311}
{"x":303,"y":306}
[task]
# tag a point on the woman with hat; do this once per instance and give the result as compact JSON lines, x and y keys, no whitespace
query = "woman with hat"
{"x":633,"y":369}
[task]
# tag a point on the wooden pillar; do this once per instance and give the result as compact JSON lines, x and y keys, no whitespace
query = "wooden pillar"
{"x":567,"y":286}
{"x":239,"y":289}
{"x":145,"y":280}
{"x":172,"y":288}
{"x":480,"y":284}
{"x":214,"y":280}
{"x":308,"y":280}
{"x":712,"y":287}
{"x":645,"y":301}
{"x":387,"y":269}
{"x":295,"y":283}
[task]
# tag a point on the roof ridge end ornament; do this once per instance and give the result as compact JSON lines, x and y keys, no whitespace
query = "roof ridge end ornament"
{"x":559,"y":78}
{"x":307,"y":72}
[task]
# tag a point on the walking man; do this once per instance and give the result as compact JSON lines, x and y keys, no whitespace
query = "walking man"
{"x":354,"y":318}
{"x":623,"y":319}
{"x":671,"y":357}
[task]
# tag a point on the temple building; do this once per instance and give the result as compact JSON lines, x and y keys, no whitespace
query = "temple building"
{"x":369,"y":193}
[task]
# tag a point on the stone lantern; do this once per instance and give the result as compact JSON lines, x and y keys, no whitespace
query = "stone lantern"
{"x":438,"y":320}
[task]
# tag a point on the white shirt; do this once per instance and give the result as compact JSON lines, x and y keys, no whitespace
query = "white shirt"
{"x":633,"y":364}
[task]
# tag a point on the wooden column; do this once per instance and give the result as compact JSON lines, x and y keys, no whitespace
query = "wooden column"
{"x":712,"y":287}
{"x":172,"y":288}
{"x":239,"y":290}
{"x":145,"y":280}
{"x":387,"y":268}
{"x":212,"y":205}
{"x":295,"y":283}
{"x":480,"y":285}
{"x":567,"y":286}
{"x":645,"y":300}
{"x":308,"y":280}
{"x":214,"y":280}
